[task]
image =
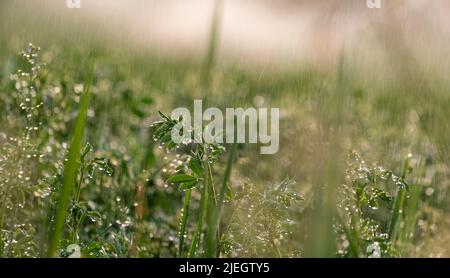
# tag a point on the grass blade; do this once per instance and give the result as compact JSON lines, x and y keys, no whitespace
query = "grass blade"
{"x":214,"y":235}
{"x":352,"y":237}
{"x":398,"y":207}
{"x":187,"y":200}
{"x":212,"y":43}
{"x":411,"y":206}
{"x":198,"y":229}
{"x":71,"y":168}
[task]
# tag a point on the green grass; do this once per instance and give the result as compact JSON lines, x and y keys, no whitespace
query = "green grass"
{"x":182,"y":233}
{"x":214,"y":235}
{"x":203,"y":201}
{"x":71,"y":167}
{"x":398,"y":207}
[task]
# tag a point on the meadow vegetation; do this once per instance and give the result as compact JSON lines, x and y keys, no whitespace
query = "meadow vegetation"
{"x":88,"y":167}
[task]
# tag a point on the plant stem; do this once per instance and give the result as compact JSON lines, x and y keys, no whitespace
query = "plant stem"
{"x":214,"y":220}
{"x":198,"y":229}
{"x":212,"y":43}
{"x":352,"y":236}
{"x":412,"y":206}
{"x":187,"y":200}
{"x":398,"y":207}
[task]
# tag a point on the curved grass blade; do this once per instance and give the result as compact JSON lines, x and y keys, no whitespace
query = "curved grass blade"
{"x":71,"y":167}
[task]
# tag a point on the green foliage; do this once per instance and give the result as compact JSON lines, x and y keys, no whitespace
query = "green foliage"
{"x":370,"y":209}
{"x":34,"y":159}
{"x":200,"y":159}
{"x":21,"y":187}
{"x":134,"y":197}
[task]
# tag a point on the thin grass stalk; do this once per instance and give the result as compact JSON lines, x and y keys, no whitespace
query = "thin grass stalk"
{"x":410,"y":214}
{"x":352,"y":236}
{"x":212,"y":205}
{"x":398,"y":207}
{"x":411,"y":207}
{"x":214,"y":235}
{"x":321,"y":241}
{"x":203,"y":205}
{"x":212,"y":43}
{"x":71,"y":168}
{"x":187,"y":200}
{"x":198,"y":230}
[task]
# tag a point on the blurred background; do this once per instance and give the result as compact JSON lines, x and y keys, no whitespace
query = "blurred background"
{"x":265,"y":33}
{"x":345,"y":77}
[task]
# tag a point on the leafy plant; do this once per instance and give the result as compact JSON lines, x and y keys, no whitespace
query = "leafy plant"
{"x":370,"y":214}
{"x":20,"y":160}
{"x":197,"y":171}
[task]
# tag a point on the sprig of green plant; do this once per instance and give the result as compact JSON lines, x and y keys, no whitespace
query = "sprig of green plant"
{"x":201,"y":157}
{"x":366,"y":191}
{"x":20,"y":160}
{"x":79,"y":210}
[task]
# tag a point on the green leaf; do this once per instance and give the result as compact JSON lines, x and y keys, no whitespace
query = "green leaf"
{"x":294,"y":196}
{"x":103,"y":166}
{"x":93,"y":215}
{"x":86,"y":150}
{"x":181,"y":178}
{"x":188,"y":185}
{"x":166,"y":138}
{"x":171,"y":145}
{"x":164,"y":116}
{"x":196,"y":166}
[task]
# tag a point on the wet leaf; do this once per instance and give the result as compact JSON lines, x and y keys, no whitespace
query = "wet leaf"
{"x":181,"y":178}
{"x":196,"y":166}
{"x":103,"y":166}
{"x":188,"y":185}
